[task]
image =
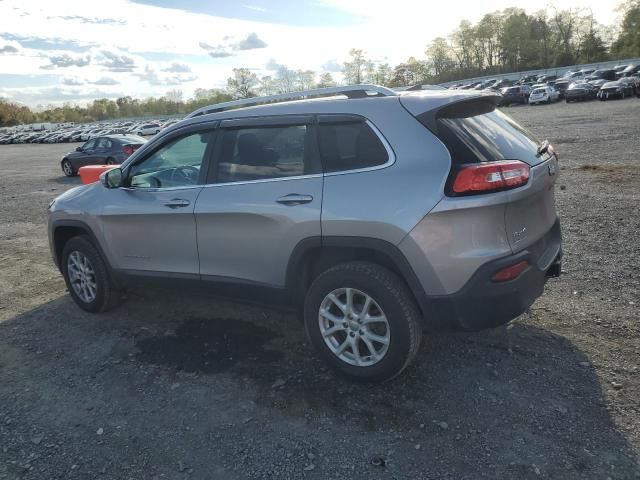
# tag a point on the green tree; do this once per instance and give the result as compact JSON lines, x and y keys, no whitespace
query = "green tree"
{"x":326,"y":80}
{"x":628,"y":42}
{"x":439,"y":56}
{"x":354,"y":70}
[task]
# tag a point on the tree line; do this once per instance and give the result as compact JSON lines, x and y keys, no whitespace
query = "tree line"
{"x":501,"y":42}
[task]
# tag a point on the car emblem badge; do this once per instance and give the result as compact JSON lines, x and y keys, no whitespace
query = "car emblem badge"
{"x":520,"y":235}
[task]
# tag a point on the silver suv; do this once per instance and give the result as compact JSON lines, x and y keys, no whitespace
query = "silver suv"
{"x":377,"y":214}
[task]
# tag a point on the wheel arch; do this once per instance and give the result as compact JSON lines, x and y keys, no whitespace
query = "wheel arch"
{"x":64,"y":230}
{"x":314,"y":255}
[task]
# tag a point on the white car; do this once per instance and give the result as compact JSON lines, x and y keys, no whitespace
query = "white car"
{"x":575,"y":76}
{"x":543,"y":95}
{"x":149,"y":129}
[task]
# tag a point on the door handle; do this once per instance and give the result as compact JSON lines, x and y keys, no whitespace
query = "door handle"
{"x":177,"y":203}
{"x":295,"y":199}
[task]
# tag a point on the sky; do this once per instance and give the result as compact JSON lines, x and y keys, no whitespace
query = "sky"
{"x":56,"y":51}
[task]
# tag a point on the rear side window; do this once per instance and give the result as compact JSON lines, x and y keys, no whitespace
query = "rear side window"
{"x":478,"y":132}
{"x":349,"y":145}
{"x":264,"y":153}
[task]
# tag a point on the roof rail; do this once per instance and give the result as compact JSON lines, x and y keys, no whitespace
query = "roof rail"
{"x":350,"y":91}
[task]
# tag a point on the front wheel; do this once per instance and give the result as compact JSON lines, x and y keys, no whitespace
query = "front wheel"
{"x":86,"y":276}
{"x":67,"y":168}
{"x":363,"y":321}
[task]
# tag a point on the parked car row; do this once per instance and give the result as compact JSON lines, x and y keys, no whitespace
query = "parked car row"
{"x":586,"y":88}
{"x":620,"y":81}
{"x":82,"y":133}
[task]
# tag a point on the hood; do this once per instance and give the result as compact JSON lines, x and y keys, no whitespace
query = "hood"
{"x":76,"y":193}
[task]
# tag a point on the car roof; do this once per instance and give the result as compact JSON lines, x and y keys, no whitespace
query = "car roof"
{"x":428,"y":100}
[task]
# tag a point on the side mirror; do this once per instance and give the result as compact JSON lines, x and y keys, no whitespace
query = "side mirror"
{"x":112,"y":178}
{"x":78,"y":149}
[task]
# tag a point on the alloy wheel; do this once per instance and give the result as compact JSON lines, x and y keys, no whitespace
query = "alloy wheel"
{"x":354,"y":327}
{"x":82,"y":276}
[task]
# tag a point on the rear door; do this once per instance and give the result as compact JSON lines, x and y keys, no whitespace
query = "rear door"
{"x":263,"y":196}
{"x":103,"y":147}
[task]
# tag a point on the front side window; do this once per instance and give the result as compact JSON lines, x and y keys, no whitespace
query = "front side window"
{"x":176,"y":164}
{"x":90,"y":145}
{"x":350,"y":146}
{"x":264,"y":152}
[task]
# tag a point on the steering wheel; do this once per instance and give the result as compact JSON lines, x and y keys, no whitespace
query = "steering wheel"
{"x":185,"y":173}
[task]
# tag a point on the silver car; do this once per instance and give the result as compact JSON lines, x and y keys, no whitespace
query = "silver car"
{"x":376,"y":214}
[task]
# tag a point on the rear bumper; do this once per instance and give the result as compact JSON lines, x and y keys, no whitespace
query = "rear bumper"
{"x":483,"y":303}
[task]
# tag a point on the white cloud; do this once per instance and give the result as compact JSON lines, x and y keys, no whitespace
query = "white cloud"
{"x":138,"y":45}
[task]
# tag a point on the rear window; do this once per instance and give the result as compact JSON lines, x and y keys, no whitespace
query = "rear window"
{"x":539,"y":90}
{"x":264,"y":153}
{"x":478,"y":132}
{"x":513,"y":90}
{"x":349,"y":145}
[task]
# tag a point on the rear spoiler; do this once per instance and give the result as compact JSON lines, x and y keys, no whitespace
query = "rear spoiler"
{"x":449,"y":105}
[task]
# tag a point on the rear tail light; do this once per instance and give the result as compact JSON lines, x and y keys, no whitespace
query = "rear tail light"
{"x":510,"y":272}
{"x":490,"y":177}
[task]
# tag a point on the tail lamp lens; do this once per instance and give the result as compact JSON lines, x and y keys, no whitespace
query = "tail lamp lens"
{"x":128,"y":150}
{"x":490,"y":177}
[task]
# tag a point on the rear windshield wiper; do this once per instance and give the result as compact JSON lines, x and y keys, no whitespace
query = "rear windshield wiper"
{"x":542,"y":148}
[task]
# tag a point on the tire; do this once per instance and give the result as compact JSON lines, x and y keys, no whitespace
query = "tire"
{"x":67,"y":168}
{"x":110,"y":161}
{"x":105,"y":294}
{"x":390,"y":300}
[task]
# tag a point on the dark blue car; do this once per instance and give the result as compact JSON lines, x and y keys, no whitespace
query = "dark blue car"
{"x":105,"y":150}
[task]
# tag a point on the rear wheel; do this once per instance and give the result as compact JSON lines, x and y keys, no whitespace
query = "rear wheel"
{"x":86,"y":276}
{"x":67,"y":168}
{"x":110,"y":161}
{"x":363,"y":321}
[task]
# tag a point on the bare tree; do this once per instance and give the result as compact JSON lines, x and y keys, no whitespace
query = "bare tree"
{"x":242,"y":83}
{"x":267,"y":85}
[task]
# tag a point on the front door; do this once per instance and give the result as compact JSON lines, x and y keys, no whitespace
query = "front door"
{"x":263,"y":196}
{"x":149,"y":225}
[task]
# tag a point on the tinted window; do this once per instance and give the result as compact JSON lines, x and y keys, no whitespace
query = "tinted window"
{"x":264,"y":152}
{"x":478,"y":132}
{"x":175,"y":164}
{"x":349,"y":146}
{"x":512,"y":90}
{"x":104,"y":143}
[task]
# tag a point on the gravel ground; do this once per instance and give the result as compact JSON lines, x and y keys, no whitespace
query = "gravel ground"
{"x":180,"y":388}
